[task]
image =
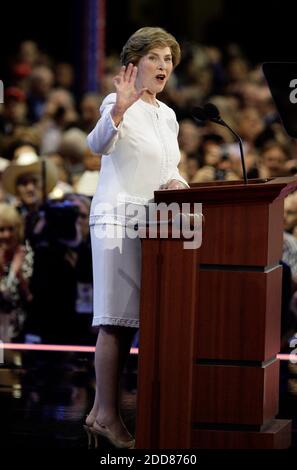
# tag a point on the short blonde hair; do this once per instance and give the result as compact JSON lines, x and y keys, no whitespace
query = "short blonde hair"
{"x":10,"y":216}
{"x":145,"y":39}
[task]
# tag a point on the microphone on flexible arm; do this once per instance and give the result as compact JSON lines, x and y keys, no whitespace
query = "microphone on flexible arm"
{"x":211,"y":113}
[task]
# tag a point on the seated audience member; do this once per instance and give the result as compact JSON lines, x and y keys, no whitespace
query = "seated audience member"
{"x":16,"y":261}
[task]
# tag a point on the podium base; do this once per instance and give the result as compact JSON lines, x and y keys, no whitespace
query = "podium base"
{"x":275,"y":435}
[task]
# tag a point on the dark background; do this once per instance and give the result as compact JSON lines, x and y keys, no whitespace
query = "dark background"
{"x":264,"y":30}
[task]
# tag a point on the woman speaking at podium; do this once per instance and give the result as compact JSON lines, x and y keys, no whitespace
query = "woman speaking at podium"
{"x":137,"y":136}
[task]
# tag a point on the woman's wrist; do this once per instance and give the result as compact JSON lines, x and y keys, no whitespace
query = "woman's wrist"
{"x":117,"y":114}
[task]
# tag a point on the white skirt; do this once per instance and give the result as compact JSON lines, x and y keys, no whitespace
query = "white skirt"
{"x":116,"y":276}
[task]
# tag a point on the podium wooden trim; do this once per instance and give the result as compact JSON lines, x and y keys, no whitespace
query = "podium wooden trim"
{"x":208,"y":374}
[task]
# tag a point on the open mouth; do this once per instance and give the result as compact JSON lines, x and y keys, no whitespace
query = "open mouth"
{"x":160,"y":77}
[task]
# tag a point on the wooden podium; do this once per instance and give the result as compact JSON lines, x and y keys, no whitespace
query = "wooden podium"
{"x":210,"y":323}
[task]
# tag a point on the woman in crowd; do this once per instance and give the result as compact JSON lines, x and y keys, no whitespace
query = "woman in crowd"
{"x":16,"y":262}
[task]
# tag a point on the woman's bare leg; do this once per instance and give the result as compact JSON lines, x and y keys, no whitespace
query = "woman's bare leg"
{"x":94,"y":411}
{"x":112,"y":350}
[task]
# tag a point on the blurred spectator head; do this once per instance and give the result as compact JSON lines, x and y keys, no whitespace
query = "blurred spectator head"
{"x":255,"y":95}
{"x":89,"y":111}
{"x":290,"y":213}
{"x":210,"y":149}
{"x":64,"y":75}
{"x":227,"y":105}
{"x":29,"y":52}
{"x":188,"y":137}
{"x":11,"y":227}
{"x":250,"y":124}
{"x":22,"y":178}
{"x":15,"y":108}
{"x":274,"y":157}
{"x":60,"y":107}
{"x":237,"y":69}
{"x":111,"y":68}
{"x":41,"y":81}
{"x":73,"y":145}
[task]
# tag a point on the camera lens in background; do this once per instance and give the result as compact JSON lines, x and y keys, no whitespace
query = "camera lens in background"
{"x":61,"y":219}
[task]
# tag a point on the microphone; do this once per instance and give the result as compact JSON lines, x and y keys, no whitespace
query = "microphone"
{"x":211,"y":113}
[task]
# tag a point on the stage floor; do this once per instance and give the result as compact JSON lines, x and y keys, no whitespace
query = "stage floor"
{"x":45,"y":396}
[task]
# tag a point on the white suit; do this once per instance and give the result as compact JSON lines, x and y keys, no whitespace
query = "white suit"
{"x":138,"y":156}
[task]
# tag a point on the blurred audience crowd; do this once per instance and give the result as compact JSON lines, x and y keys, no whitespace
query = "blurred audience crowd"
{"x":48,"y":176}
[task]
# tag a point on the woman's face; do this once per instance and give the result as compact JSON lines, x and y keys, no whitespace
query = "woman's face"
{"x":154,"y":69}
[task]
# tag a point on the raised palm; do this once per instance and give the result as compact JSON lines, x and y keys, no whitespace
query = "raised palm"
{"x":124,"y":82}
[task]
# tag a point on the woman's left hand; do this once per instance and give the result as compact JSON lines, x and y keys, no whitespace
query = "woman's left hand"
{"x":173,"y":184}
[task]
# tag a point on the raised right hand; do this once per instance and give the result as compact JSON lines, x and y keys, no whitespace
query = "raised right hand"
{"x":127,"y":93}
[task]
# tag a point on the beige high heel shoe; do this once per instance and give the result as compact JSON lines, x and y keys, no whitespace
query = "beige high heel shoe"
{"x":102,"y":430}
{"x":88,"y":428}
{"x":89,"y":432}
